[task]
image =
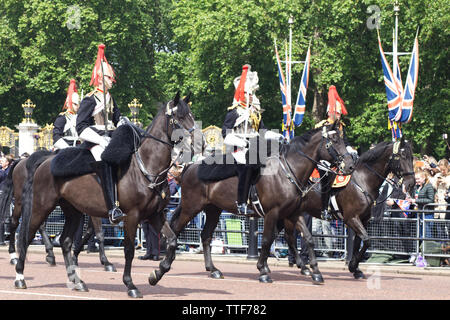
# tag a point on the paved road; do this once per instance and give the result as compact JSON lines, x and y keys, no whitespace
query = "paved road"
{"x":187,"y":280}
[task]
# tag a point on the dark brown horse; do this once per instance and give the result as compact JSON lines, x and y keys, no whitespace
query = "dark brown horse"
{"x":279,"y":193}
{"x":12,"y":189}
{"x":356,"y":199}
{"x":142,"y":190}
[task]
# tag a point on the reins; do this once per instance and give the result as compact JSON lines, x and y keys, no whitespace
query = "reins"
{"x":293,"y":178}
{"x":153,"y":178}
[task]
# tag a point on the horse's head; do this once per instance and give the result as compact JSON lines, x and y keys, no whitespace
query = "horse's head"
{"x":401,"y":164}
{"x":333,"y":149}
{"x":180,"y":120}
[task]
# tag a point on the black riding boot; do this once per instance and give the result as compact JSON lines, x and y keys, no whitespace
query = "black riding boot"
{"x":2,"y":234}
{"x":245,"y":176}
{"x":325,"y":185}
{"x":108,"y":182}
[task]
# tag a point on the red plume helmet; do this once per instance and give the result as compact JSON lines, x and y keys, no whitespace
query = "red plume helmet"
{"x":332,"y":110}
{"x":97,"y":68}
{"x":239,"y":95}
{"x":70,"y":91}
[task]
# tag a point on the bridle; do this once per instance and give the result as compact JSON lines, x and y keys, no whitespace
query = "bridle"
{"x":394,"y":167}
{"x":338,"y":160}
{"x":175,"y":124}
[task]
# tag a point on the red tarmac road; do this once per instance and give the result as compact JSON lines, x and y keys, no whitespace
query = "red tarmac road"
{"x":188,"y":280}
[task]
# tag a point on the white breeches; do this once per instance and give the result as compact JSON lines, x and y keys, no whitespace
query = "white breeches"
{"x":97,"y":152}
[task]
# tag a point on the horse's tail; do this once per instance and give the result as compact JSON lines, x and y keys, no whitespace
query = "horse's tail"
{"x":27,"y":199}
{"x":6,"y":193}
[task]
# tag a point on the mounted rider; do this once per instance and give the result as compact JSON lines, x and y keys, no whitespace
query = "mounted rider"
{"x":335,"y":110}
{"x":64,"y":128}
{"x":242,"y":123}
{"x":95,"y":124}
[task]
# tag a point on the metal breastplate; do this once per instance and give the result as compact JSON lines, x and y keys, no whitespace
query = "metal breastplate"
{"x":99,"y":119}
{"x":248,"y":127}
{"x":70,"y":132}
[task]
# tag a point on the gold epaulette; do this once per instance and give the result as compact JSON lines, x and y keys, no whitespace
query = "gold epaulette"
{"x":321,"y":124}
{"x":234,"y":106}
{"x":62,"y":113}
{"x":90,"y":93}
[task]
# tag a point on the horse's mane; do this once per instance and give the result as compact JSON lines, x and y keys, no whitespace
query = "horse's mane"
{"x":182,"y":111}
{"x":298,"y":143}
{"x":373,"y":154}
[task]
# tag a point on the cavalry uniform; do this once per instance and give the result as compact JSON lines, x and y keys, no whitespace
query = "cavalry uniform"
{"x":335,"y":110}
{"x":64,"y":131}
{"x":94,"y":124}
{"x":242,"y":122}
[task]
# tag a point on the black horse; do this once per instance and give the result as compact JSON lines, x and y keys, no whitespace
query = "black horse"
{"x":279,"y":193}
{"x":355,"y":200}
{"x":12,"y":189}
{"x":142,"y":192}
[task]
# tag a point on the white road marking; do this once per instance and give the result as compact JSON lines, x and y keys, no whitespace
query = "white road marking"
{"x":50,"y":295}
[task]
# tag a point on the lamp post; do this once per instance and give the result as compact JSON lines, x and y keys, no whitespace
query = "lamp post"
{"x":27,"y":129}
{"x":135,"y":107}
{"x":28,"y":108}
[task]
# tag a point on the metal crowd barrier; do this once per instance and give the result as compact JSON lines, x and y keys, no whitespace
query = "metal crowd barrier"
{"x":395,"y":236}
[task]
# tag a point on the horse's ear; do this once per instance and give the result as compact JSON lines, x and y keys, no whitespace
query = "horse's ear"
{"x":187,"y":98}
{"x":176,"y":99}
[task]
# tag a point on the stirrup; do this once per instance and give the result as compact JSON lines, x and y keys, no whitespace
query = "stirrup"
{"x":325,"y":215}
{"x":244,"y":209}
{"x":115,"y":215}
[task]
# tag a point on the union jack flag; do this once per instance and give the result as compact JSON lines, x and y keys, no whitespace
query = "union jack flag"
{"x":286,"y":107}
{"x":403,"y":205}
{"x":410,"y":85}
{"x":393,"y":90}
{"x":301,"y":98}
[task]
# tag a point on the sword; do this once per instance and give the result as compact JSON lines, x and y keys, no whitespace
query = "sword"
{"x":105,"y":117}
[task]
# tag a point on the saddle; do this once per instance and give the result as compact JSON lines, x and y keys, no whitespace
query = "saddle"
{"x":78,"y":161}
{"x":216,"y":171}
{"x":339,"y":181}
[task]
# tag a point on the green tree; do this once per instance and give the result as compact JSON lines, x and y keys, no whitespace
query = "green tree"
{"x":50,"y":42}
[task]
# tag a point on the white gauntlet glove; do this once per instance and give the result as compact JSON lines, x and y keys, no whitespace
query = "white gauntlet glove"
{"x":90,"y":135}
{"x":270,"y":135}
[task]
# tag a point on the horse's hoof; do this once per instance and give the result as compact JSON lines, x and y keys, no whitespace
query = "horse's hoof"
{"x":110,"y":268}
{"x":305,"y":271}
{"x":134,"y":293}
{"x":317,"y":278}
{"x":81,"y":287}
{"x":358,"y":274}
{"x":13,"y":261}
{"x":51,"y":261}
{"x":216,"y":274}
{"x":265,"y":279}
{"x":20,"y":284}
{"x":153,"y":278}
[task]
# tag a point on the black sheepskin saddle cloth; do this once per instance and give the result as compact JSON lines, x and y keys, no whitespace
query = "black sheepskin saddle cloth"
{"x":72,"y":162}
{"x":36,"y":159}
{"x":77,"y":161}
{"x":216,"y":171}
